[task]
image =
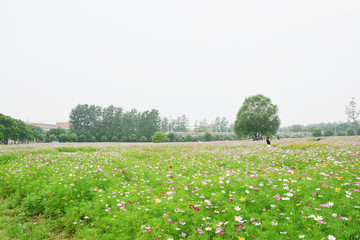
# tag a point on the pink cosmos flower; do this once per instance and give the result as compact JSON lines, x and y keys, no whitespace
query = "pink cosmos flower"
{"x":277,"y":197}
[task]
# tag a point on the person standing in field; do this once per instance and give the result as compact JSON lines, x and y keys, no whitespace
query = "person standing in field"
{"x":268,"y":141}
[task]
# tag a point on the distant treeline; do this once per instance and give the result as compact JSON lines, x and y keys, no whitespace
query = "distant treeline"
{"x":91,"y":123}
{"x":317,"y":130}
{"x":17,"y":130}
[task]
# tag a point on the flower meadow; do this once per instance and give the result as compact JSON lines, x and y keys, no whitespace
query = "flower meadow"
{"x":296,"y":189}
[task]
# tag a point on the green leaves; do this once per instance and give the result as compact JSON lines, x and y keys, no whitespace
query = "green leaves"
{"x":257,"y":117}
{"x":16,"y":130}
{"x":113,"y":123}
{"x":158,"y":137}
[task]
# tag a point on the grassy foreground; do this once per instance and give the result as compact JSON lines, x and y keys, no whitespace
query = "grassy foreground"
{"x":297,"y":189}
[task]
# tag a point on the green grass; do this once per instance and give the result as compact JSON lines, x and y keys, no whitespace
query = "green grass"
{"x":182,"y":191}
{"x":7,"y":158}
{"x":77,"y":149}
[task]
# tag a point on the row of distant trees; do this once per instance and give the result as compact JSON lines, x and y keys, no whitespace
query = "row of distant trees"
{"x":257,"y":117}
{"x":349,"y":128}
{"x":181,"y":124}
{"x":95,"y":123}
{"x":91,"y":123}
{"x":113,"y":123}
{"x":62,"y":135}
{"x":317,"y":130}
{"x":17,"y":130}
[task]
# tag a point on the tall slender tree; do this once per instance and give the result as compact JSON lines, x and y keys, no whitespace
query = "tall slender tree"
{"x":352,"y":112}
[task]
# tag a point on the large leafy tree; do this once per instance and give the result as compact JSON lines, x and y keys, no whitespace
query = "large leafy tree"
{"x":148,"y":123}
{"x":111,"y":124}
{"x":257,"y":117}
{"x":130,"y":122}
{"x":16,"y":129}
{"x":86,"y":118}
{"x":352,"y":113}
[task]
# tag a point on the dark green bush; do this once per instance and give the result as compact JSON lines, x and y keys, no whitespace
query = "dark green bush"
{"x":53,"y":138}
{"x":73,"y":137}
{"x":329,"y":133}
{"x":133,"y":138}
{"x":316,"y":132}
{"x":104,"y":138}
{"x":33,"y":204}
{"x":188,"y":138}
{"x":171,"y":137}
{"x":82,"y":138}
{"x":63,"y":137}
{"x":158,"y":137}
{"x":207,"y":136}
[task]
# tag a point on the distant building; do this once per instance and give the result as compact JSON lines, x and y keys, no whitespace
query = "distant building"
{"x":64,"y":125}
{"x":47,"y":127}
{"x":210,"y":127}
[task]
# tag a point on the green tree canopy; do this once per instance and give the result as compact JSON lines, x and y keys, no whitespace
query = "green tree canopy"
{"x":133,"y":138}
{"x":112,"y":121}
{"x":171,"y":137}
{"x":54,"y":131}
{"x":15,"y":129}
{"x":158,"y":137}
{"x":317,"y":132}
{"x":257,"y":117}
{"x":207,"y":136}
{"x":73,"y":137}
{"x":63,"y":137}
{"x":82,"y":138}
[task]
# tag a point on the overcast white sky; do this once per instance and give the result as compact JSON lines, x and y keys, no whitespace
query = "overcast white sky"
{"x":198,"y":58}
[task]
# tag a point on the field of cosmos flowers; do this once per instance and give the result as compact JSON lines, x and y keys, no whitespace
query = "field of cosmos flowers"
{"x":296,"y":189}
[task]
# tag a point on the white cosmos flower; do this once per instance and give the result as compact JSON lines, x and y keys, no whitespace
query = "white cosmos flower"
{"x":331,"y":237}
{"x":237,"y":208}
